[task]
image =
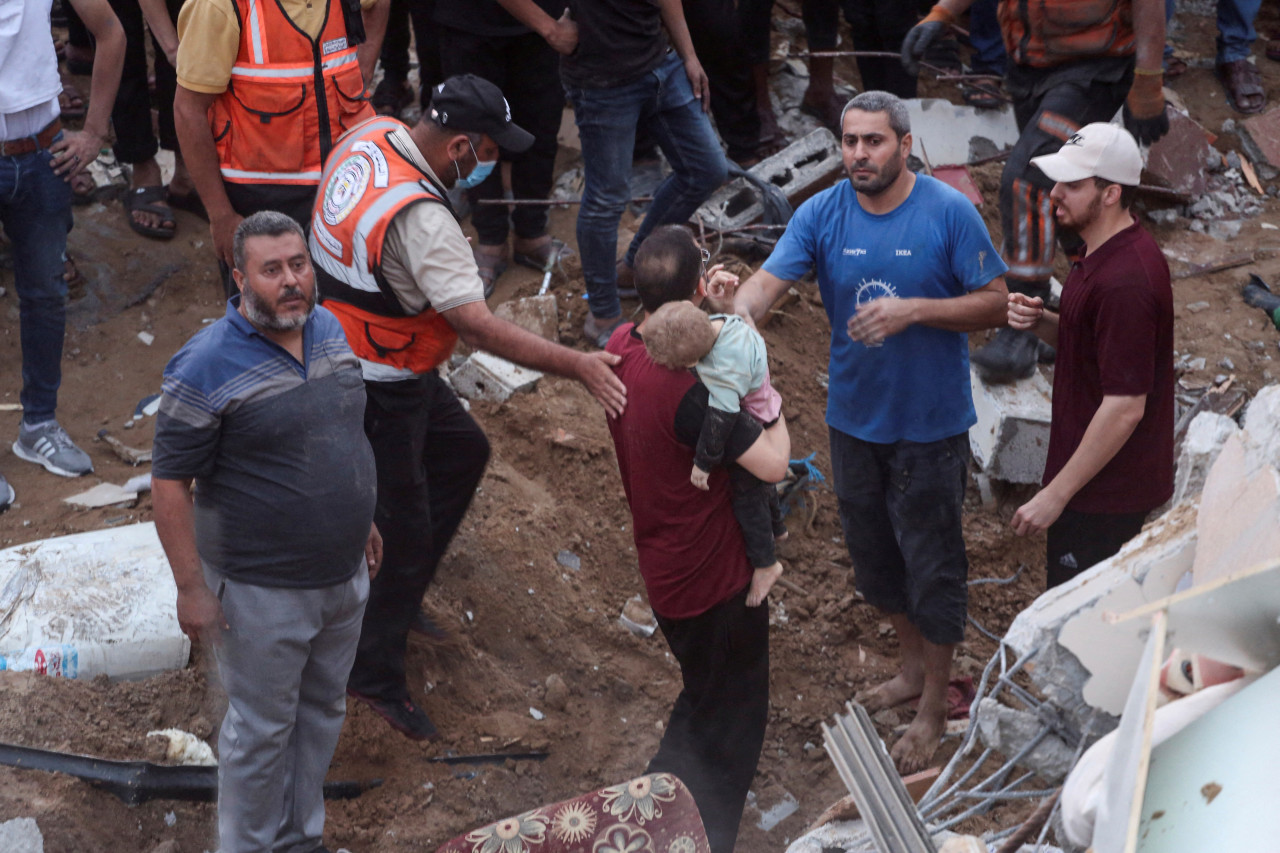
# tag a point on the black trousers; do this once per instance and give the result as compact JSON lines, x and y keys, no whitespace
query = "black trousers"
{"x":717,"y":39}
{"x":394,"y":57}
{"x":716,"y":731}
{"x":430,"y":456}
{"x":1080,"y":540}
{"x":527,"y":71}
{"x":881,"y":25}
{"x":758,"y":513}
{"x":1049,"y":106}
{"x":131,"y":115}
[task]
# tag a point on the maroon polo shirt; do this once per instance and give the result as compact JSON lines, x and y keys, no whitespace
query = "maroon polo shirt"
{"x":1115,"y":337}
{"x":688,"y":542}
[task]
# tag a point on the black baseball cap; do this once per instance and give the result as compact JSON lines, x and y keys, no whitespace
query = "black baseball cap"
{"x":471,"y":104}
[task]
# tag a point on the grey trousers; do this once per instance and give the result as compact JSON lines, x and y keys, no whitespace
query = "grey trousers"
{"x":284,"y":664}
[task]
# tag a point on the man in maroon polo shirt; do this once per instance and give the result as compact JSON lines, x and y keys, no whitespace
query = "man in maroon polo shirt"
{"x":690,"y":550}
{"x":1111,"y":435}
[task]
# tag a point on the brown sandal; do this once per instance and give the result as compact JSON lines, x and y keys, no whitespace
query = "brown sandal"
{"x":1244,"y":86}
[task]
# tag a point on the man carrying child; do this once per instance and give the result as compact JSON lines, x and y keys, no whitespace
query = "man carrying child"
{"x":690,"y":549}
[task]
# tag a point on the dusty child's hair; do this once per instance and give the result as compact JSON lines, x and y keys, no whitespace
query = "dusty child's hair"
{"x":678,"y":335}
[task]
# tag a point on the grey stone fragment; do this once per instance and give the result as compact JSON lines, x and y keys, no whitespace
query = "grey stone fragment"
{"x":1008,"y":730}
{"x":1204,"y":440}
{"x":21,"y":835}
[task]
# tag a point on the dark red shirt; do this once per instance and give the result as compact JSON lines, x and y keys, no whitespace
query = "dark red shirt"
{"x":1115,"y":337}
{"x":688,"y":543}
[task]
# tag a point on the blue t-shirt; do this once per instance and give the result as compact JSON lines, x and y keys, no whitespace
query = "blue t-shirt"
{"x":934,"y":245}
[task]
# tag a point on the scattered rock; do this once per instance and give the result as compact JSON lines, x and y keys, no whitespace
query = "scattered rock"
{"x":637,"y":617}
{"x":569,"y":560}
{"x":557,"y":697}
{"x":169,"y":846}
{"x":1008,"y":730}
{"x":1197,"y":307}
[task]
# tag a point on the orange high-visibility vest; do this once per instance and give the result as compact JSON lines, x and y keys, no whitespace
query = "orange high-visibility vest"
{"x":1045,"y":33}
{"x":366,"y":183}
{"x":289,"y":97}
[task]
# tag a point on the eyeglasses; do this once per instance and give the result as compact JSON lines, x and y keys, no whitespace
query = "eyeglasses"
{"x":706,"y":259}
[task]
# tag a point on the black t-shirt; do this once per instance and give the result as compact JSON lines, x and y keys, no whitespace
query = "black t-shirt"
{"x":487,"y":17}
{"x":619,"y":41}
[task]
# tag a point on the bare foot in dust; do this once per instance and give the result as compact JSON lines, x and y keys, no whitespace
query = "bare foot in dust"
{"x":762,"y":580}
{"x":901,"y":688}
{"x":915,"y":748}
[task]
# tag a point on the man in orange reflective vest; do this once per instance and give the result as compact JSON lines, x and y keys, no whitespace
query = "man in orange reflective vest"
{"x":1071,"y":63}
{"x":396,"y":270}
{"x":265,"y":88}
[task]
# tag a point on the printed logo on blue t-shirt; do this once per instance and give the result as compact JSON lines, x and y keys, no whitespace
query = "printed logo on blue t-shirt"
{"x":873,"y":289}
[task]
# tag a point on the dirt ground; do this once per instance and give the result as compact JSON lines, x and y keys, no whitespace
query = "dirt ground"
{"x":515,"y":614}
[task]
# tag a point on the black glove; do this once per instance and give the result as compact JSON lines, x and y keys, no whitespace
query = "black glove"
{"x":1144,"y":111}
{"x":923,"y":34}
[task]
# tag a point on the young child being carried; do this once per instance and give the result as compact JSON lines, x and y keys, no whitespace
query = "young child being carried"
{"x":729,"y":358}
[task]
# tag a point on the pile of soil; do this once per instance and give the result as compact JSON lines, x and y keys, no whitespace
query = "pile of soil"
{"x":537,"y":659}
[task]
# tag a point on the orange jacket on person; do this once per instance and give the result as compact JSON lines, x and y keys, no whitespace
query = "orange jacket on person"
{"x":1045,"y":33}
{"x":289,"y":98}
{"x":365,"y":184}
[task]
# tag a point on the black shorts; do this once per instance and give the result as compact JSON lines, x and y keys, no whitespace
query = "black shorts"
{"x":900,"y":507}
{"x":1080,"y":540}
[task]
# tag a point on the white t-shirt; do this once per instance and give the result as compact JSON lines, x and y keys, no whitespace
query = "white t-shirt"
{"x":29,"y":82}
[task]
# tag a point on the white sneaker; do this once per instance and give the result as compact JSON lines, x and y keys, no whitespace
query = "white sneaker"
{"x":6,"y":494}
{"x":49,"y":445}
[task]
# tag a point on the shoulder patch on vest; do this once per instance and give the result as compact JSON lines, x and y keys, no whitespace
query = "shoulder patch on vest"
{"x":345,"y":188}
{"x":381,"y":174}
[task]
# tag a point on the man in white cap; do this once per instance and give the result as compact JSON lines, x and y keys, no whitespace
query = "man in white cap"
{"x":1111,"y":437}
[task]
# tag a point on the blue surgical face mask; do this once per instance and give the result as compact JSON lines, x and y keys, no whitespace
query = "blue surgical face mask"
{"x":483,"y":169}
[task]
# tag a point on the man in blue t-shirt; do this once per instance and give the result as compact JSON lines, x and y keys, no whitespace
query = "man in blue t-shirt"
{"x":906,"y":268}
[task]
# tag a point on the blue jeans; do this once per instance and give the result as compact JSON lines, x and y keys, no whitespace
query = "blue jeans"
{"x":984,"y":34}
{"x":607,"y":120}
{"x":35,"y":209}
{"x":1235,"y":29}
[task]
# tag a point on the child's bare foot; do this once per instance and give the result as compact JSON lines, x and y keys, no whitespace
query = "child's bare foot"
{"x":913,"y":750}
{"x":762,"y":580}
{"x":895,"y":691}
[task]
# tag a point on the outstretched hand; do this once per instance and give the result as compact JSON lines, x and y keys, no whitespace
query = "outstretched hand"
{"x":1025,"y":312}
{"x":596,"y":373}
{"x":719,"y":288}
{"x":563,"y":36}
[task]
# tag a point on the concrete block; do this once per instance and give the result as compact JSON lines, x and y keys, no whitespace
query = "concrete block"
{"x":1260,"y":136}
{"x":1011,"y":438}
{"x":1185,"y":156}
{"x":538,"y":314}
{"x":839,"y":835}
{"x":951,"y":135}
{"x":1262,"y":422}
{"x":21,"y":835}
{"x":484,"y":376}
{"x":1204,"y":441}
{"x":1007,"y":731}
{"x":799,"y":170}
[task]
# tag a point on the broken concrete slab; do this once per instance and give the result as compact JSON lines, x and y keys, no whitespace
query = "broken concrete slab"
{"x":1184,"y":157}
{"x":1260,"y":136}
{"x":951,"y":134}
{"x":96,"y":603}
{"x":1239,"y":519}
{"x":772,"y":806}
{"x":485,"y":376}
{"x":21,"y":835}
{"x":799,"y":170}
{"x":1205,"y":439}
{"x":1010,"y":441}
{"x":637,"y":617}
{"x":1153,"y":562}
{"x":103,"y":494}
{"x":537,"y":314}
{"x":1007,"y":730}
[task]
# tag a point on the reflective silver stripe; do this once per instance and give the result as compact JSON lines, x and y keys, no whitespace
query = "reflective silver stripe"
{"x":303,"y":74}
{"x":341,"y":59}
{"x":255,"y":27}
{"x":357,"y":278}
{"x":375,"y":372}
{"x":271,"y":176}
{"x":322,"y":235}
{"x":379,"y":208}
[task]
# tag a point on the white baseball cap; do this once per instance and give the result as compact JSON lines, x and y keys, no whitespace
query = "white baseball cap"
{"x":1098,"y":150}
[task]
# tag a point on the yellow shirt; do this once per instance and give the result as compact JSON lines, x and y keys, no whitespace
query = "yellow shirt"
{"x":209,"y":38}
